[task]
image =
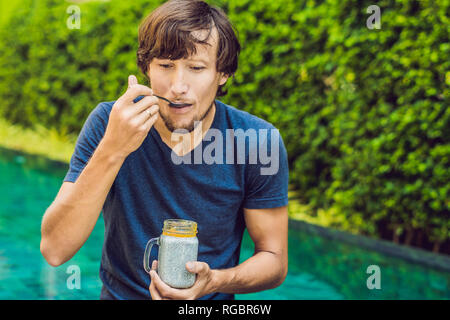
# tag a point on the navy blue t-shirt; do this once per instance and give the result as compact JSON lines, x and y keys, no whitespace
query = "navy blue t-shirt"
{"x":155,"y":184}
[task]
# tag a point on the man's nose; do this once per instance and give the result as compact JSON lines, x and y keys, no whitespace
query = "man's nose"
{"x":179,"y":84}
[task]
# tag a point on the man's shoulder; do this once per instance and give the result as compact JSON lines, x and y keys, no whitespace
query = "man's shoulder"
{"x":101,"y":112}
{"x":105,"y":106}
{"x":240,"y":119}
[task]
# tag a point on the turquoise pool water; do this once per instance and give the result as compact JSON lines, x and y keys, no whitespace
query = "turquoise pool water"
{"x":319,"y":268}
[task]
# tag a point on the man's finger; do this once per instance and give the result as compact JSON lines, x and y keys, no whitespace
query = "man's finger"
{"x":155,"y":288}
{"x":154,"y":292}
{"x":163,"y":289}
{"x":135,"y":91}
{"x":144,"y":104}
{"x":155,"y":265}
{"x":132,"y":80}
{"x":197,"y":266}
{"x":150,"y":122}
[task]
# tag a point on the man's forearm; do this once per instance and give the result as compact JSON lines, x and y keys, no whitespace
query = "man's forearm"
{"x":264,"y":270}
{"x":68,"y":222}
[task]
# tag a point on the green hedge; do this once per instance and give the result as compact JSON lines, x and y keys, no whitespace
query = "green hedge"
{"x":362,"y":112}
{"x":60,"y":74}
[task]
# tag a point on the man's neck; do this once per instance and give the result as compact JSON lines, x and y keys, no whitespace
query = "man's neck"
{"x":183,"y":143}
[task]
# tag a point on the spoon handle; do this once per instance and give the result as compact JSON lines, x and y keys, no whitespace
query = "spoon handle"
{"x":163,"y":98}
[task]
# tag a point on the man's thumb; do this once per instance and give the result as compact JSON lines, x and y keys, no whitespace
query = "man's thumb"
{"x":132,"y":80}
{"x":191,"y":266}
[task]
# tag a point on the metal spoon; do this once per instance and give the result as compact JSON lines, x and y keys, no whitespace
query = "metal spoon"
{"x":171,"y":104}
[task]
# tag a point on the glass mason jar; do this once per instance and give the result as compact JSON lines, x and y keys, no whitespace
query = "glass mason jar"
{"x":178,"y":244}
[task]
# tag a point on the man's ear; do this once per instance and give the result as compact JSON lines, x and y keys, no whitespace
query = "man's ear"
{"x":223,"y":79}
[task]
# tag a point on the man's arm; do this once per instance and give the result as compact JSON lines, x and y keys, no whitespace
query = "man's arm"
{"x":70,"y":219}
{"x":266,"y":269}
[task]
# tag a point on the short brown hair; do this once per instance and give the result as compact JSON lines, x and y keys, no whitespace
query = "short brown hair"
{"x":166,"y":34}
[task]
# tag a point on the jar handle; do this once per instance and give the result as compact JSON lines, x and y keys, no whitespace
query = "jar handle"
{"x":148,"y":249}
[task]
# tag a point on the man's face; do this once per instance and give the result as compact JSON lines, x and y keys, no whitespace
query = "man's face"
{"x":194,"y":80}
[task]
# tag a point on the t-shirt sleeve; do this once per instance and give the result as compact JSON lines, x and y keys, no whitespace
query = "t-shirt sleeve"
{"x":88,"y":140}
{"x":267,"y":180}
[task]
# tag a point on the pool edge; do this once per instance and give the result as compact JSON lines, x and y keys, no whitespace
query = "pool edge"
{"x":415,"y":255}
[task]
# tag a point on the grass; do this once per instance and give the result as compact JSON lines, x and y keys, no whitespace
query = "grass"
{"x":329,"y":218}
{"x":38,"y":141}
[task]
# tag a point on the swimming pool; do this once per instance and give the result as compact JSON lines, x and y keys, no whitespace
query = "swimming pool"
{"x":319,"y":267}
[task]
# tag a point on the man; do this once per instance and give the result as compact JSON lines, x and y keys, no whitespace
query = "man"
{"x":124,"y":165}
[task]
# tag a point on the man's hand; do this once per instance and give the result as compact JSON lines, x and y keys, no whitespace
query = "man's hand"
{"x":202,"y":286}
{"x":129,"y":122}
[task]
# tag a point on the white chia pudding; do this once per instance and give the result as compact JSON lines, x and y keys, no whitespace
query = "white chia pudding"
{"x":173,"y":254}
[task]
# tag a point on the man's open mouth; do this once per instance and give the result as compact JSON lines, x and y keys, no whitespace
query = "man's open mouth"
{"x":179,"y":105}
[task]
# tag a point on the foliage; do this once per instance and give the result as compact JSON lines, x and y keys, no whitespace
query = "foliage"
{"x":363,"y":112}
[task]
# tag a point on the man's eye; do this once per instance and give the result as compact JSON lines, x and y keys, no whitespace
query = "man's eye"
{"x":165,"y":66}
{"x":198,"y":68}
